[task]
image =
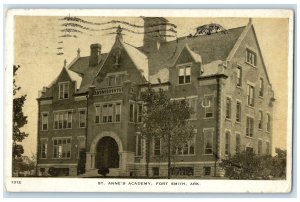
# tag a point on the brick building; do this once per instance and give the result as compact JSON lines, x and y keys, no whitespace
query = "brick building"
{"x":89,"y":116}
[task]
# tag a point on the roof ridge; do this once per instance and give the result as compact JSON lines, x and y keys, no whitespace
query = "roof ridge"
{"x":184,"y":37}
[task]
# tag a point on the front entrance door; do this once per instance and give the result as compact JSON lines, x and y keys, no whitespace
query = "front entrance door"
{"x":107,"y":153}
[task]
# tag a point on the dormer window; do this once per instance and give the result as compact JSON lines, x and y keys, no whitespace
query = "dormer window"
{"x":184,"y":75}
{"x":251,"y":57}
{"x":63,"y":90}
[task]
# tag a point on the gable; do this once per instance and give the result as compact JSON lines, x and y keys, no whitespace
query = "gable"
{"x":120,"y":60}
{"x":249,"y":42}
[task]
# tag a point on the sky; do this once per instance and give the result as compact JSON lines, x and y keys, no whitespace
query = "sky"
{"x":36,"y":39}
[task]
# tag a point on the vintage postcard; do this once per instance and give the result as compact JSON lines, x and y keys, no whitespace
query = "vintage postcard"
{"x":149,"y":100}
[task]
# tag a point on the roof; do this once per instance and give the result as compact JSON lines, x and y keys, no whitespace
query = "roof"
{"x":88,"y":73}
{"x":211,"y":68}
{"x":209,"y":50}
{"x":139,"y":59}
{"x":216,"y":46}
{"x":80,"y":65}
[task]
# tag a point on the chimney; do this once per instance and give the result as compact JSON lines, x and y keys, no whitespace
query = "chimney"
{"x":154,"y":33}
{"x":95,"y":56}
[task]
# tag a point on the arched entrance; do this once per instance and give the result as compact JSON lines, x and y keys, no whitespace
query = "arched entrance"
{"x":107,"y":153}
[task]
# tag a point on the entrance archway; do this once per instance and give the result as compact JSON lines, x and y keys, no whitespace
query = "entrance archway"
{"x":107,"y":153}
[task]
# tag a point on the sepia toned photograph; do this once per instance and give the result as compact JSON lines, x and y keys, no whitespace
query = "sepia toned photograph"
{"x":149,"y":101}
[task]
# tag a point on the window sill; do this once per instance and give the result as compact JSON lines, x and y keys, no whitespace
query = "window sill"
{"x":208,"y":154}
{"x":239,"y":87}
{"x":249,"y":137}
{"x":184,"y":155}
{"x":250,"y":64}
{"x":261,"y":97}
{"x":227,"y":119}
{"x":105,"y":123}
{"x":183,"y":84}
{"x":63,"y":129}
{"x":208,"y":117}
{"x":249,"y":106}
{"x":238,"y":122}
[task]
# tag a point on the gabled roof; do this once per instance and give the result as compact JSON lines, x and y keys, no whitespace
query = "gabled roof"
{"x":212,"y":47}
{"x":139,"y":59}
{"x":206,"y":49}
{"x":88,"y":73}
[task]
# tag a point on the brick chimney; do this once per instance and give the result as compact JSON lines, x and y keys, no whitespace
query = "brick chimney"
{"x":154,"y":33}
{"x":95,"y":56}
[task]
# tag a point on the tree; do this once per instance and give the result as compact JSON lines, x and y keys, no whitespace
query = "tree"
{"x":248,"y":165}
{"x":166,"y":120}
{"x":19,"y":119}
{"x":279,"y":164}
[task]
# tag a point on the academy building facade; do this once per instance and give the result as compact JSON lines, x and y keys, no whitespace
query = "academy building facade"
{"x":88,"y":117}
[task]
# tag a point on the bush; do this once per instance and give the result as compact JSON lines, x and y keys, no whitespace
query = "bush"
{"x":103,"y":171}
{"x":248,"y":165}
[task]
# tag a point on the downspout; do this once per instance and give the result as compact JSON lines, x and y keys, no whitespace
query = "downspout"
{"x":86,"y":126}
{"x":218,"y":123}
{"x":38,"y":135}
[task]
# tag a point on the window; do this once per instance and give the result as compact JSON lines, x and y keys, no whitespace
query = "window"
{"x":206,"y":171}
{"x":104,"y":113}
{"x":119,"y":80}
{"x":131,"y":112}
{"x":184,"y":75}
{"x":111,"y":81}
{"x":249,"y":127}
{"x":44,"y":148}
{"x":193,"y":105}
{"x":227,"y":143}
{"x":63,"y":90}
{"x":182,"y":171}
{"x":238,"y":111}
{"x":63,"y":120}
{"x":208,"y":141}
{"x":187,"y":148}
{"x":249,"y":149}
{"x":98,"y":113}
{"x":250,"y":96}
{"x":208,"y":106}
{"x":118,"y":112}
{"x":267,"y":148}
{"x":239,"y":76}
{"x":261,"y":87}
{"x":251,"y":57}
{"x":238,"y":143}
{"x":45,"y":121}
{"x":82,"y":118}
{"x":260,"y":119}
{"x":62,"y":148}
{"x":268,"y":123}
{"x":156,"y":146}
{"x":110,"y":113}
{"x":228,"y":108}
{"x":139,"y":112}
{"x":259,"y":147}
{"x":139,"y":145}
